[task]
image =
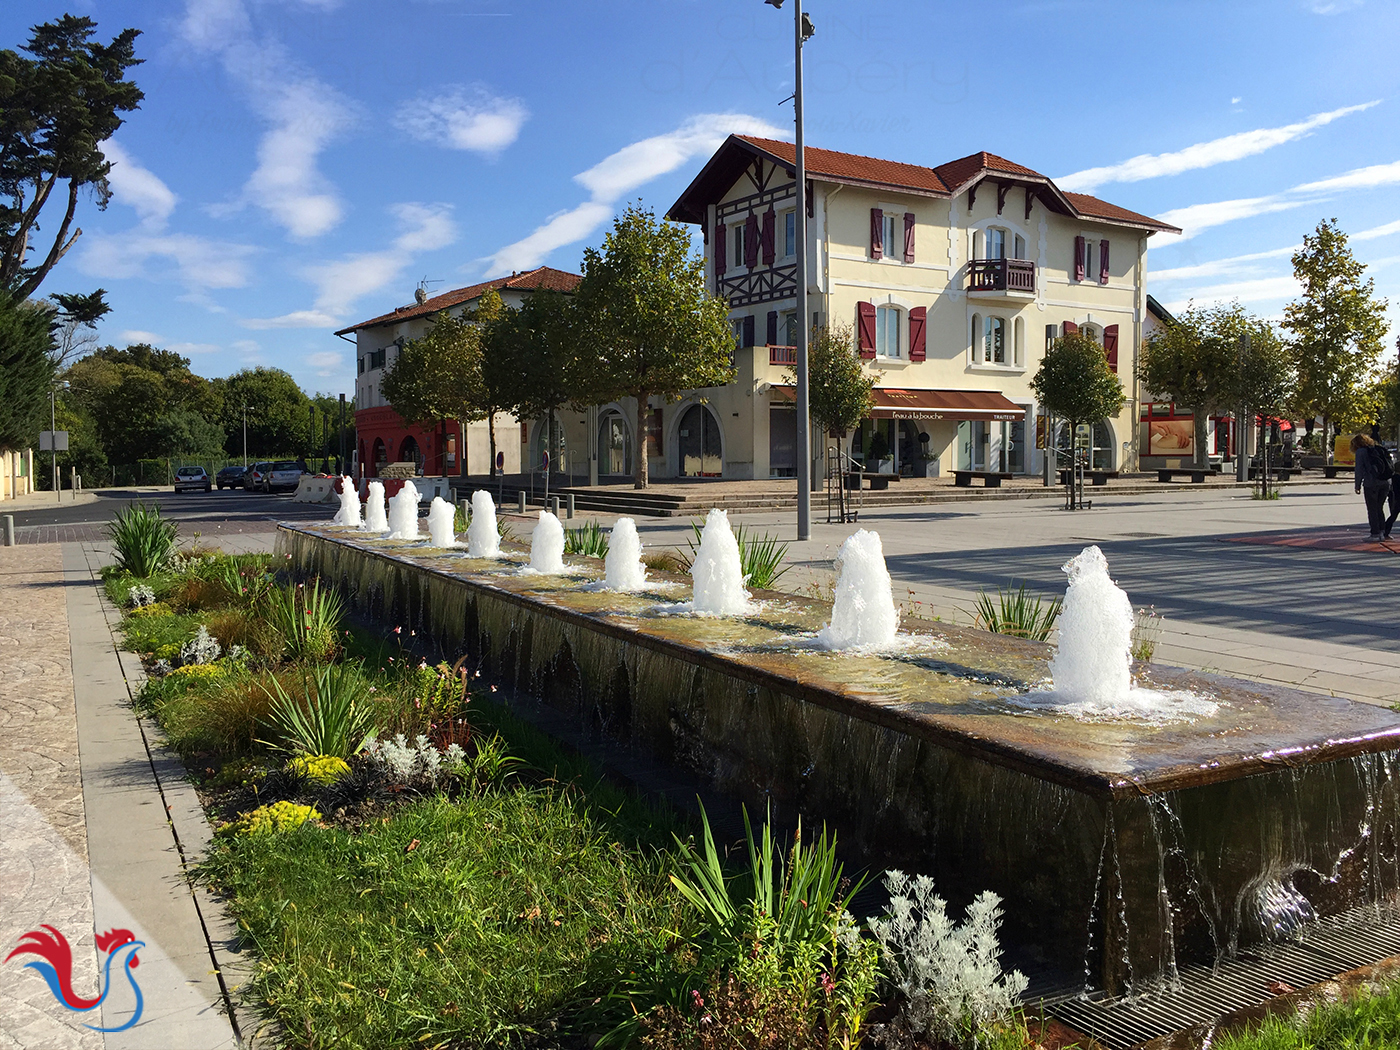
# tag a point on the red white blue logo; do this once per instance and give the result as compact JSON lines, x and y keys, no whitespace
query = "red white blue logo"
{"x":55,"y":966}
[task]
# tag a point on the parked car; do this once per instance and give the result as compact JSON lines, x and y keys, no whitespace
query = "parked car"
{"x":187,"y":478}
{"x":253,"y":479}
{"x":281,"y":474}
{"x":232,"y":476}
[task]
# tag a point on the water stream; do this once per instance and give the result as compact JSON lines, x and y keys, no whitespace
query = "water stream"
{"x":483,"y":539}
{"x":717,"y":571}
{"x":442,"y":518}
{"x":349,"y":513}
{"x":547,"y":546}
{"x":403,"y":513}
{"x":375,"y":518}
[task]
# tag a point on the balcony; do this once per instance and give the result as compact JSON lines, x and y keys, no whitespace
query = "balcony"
{"x":782,"y":355}
{"x":1001,"y":278}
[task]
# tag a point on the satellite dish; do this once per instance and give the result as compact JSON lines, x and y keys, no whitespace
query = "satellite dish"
{"x":420,"y":296}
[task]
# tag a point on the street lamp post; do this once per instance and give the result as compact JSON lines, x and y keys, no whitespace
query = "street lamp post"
{"x":245,"y":440}
{"x":802,"y":31}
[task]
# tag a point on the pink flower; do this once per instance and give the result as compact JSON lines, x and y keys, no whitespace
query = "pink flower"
{"x":696,"y":999}
{"x":493,"y":689}
{"x":398,"y":630}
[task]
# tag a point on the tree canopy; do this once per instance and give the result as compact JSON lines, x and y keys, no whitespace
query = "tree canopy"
{"x":1336,"y":326}
{"x":838,"y":389}
{"x":26,"y":371}
{"x":59,"y":102}
{"x":647,"y":324}
{"x":279,"y":420}
{"x":1193,"y":362}
{"x":1076,"y":384}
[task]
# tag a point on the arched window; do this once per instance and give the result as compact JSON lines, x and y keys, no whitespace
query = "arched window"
{"x":698,"y":440}
{"x":1020,"y":342}
{"x":409,"y":452}
{"x":976,"y":338}
{"x":994,"y":342}
{"x":381,"y":454}
{"x":887,"y":321}
{"x":614,"y":445}
{"x":996,"y":242}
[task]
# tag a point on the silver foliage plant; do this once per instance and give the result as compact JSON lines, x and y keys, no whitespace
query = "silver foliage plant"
{"x":949,"y":974}
{"x":203,"y":648}
{"x":405,"y":761}
{"x":140,"y":596}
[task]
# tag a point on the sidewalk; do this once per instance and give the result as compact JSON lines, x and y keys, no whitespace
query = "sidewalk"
{"x":103,"y":826}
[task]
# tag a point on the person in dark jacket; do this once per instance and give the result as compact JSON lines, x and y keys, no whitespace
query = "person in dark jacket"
{"x":1373,"y":478}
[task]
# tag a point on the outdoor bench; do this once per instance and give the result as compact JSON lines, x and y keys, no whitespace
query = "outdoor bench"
{"x":1198,"y":477}
{"x":1100,"y":477}
{"x":991,"y":479}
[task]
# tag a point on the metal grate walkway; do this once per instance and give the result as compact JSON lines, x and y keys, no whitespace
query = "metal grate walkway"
{"x":1358,"y":938}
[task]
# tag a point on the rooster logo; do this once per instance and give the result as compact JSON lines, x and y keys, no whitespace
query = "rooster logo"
{"x":55,"y":966}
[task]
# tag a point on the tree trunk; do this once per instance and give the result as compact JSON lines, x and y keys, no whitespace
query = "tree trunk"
{"x":1199,"y":459}
{"x":1326,"y":440}
{"x":491,"y":437}
{"x":643,"y":410}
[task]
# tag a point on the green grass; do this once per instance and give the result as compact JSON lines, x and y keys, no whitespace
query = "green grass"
{"x":1370,"y":1021}
{"x":516,"y":911}
{"x":147,"y":634}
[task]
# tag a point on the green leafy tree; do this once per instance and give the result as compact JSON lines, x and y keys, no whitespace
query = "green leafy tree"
{"x":183,"y":432}
{"x":839,"y":391}
{"x":59,"y":102}
{"x":1193,"y":362}
{"x":26,"y":371}
{"x":437,"y":376}
{"x":647,"y":325}
{"x":278,"y":421}
{"x":500,"y":385}
{"x":124,"y":401}
{"x":1076,"y":384}
{"x":536,"y":345}
{"x":1336,"y":326}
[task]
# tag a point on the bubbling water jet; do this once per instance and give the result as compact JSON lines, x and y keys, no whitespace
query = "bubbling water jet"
{"x":349,"y":513}
{"x":483,"y":539}
{"x":442,"y":519}
{"x":863,"y":614}
{"x":717,"y":570}
{"x":547,"y":545}
{"x":622,"y":567}
{"x":375,"y":518}
{"x":403,"y":513}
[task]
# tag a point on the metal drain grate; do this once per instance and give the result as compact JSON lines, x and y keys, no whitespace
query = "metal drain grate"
{"x":1357,"y":938}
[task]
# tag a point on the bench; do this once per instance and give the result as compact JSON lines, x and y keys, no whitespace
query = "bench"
{"x":1198,"y":477}
{"x":1331,"y":470}
{"x":878,"y":482}
{"x":1282,"y":473}
{"x":991,"y":479}
{"x":1100,"y":477}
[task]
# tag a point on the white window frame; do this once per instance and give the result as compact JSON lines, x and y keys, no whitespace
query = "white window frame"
{"x":881,"y":332}
{"x":738,"y":246}
{"x":987,"y":239}
{"x":1091,"y":259}
{"x":784,"y":218}
{"x":787,"y":327}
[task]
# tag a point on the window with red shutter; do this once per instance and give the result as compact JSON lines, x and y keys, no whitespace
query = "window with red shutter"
{"x":1110,"y":344}
{"x":908,"y":236}
{"x":1080,"y":247}
{"x":865,"y":329}
{"x":769,"y":240}
{"x":751,"y":241}
{"x":918,"y":349}
{"x":1103,"y":262}
{"x":877,"y":233}
{"x":721,"y":249}
{"x":1071,"y":328}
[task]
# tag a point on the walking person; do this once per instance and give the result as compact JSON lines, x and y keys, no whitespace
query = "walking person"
{"x":1374,"y":478}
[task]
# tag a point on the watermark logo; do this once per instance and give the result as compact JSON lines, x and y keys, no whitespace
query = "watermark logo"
{"x":55,"y":966}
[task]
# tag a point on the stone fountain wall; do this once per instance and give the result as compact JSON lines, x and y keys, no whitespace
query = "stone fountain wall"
{"x":1120,"y":887}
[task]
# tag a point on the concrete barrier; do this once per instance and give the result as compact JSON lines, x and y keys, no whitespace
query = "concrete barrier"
{"x":313,"y":488}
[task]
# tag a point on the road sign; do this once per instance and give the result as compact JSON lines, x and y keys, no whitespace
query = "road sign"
{"x":545,"y":457}
{"x":53,"y":441}
{"x":500,"y":461}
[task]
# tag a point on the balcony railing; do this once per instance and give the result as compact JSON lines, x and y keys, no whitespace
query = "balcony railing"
{"x":1001,"y":275}
{"x":782,"y":355}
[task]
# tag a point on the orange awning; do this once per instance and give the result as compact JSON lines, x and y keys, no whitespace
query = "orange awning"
{"x":895,"y":402}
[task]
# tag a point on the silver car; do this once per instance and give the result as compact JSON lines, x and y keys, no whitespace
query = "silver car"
{"x":283,"y":474}
{"x":189,"y":479}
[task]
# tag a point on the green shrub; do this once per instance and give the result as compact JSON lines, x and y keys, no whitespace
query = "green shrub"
{"x":332,"y":716}
{"x":151,"y":631}
{"x":269,"y":820}
{"x":306,"y":616}
{"x":1017,"y":613}
{"x":589,"y":540}
{"x":143,"y":541}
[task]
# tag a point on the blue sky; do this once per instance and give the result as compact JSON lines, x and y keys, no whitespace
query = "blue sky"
{"x":299,"y":165}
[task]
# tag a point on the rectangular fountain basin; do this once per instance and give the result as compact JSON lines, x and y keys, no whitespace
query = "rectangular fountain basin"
{"x":1120,"y":849}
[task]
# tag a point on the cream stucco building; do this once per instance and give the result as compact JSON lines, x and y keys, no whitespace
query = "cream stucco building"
{"x":953,"y":280}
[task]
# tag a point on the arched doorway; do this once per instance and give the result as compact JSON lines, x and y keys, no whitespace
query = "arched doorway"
{"x":698,"y":440}
{"x":409,"y":451}
{"x":381,"y":455}
{"x":614,"y":445}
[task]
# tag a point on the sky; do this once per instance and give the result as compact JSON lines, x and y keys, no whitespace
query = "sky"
{"x":301,"y":165}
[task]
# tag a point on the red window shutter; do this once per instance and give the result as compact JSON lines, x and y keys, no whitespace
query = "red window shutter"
{"x":748,"y":330}
{"x":1110,"y":344}
{"x":721,"y":249}
{"x":917,"y":318}
{"x":908,"y":236}
{"x":865,"y":329}
{"x":770,"y":225}
{"x":1079,"y":251}
{"x":751,"y":241}
{"x":877,"y":234}
{"x":1103,"y":262}
{"x":1071,"y":328}
{"x":772,"y":328}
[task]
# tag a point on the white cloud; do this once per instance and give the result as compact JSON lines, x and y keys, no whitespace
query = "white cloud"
{"x":194,"y":349}
{"x":618,"y":174}
{"x":464,"y":118}
{"x":1202,"y":154}
{"x":1333,"y":7}
{"x":200,"y":263}
{"x":137,"y":335}
{"x":340,"y":283}
{"x":1377,"y":231}
{"x":1264,"y":289}
{"x":326,"y":362}
{"x":1217,"y":267}
{"x":1357,"y":179}
{"x":1197,"y":218}
{"x":138,"y":187}
{"x":305,"y":116}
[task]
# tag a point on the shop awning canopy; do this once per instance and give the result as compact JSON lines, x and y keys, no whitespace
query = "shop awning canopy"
{"x":899,"y":403}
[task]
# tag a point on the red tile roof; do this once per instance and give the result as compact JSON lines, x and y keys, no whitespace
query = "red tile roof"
{"x":945,"y":180}
{"x":543,"y":278}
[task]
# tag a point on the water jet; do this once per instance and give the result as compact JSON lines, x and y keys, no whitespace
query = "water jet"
{"x":483,"y":539}
{"x":403,"y":513}
{"x":442,"y":519}
{"x":376,"y":520}
{"x":547,"y":546}
{"x":622,"y":566}
{"x":717,"y":570}
{"x":348,"y":516}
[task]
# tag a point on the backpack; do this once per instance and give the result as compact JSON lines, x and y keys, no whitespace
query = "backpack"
{"x":1380,"y":456}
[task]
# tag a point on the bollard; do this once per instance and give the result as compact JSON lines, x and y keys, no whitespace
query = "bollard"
{"x":554,"y":505}
{"x":520,"y":501}
{"x":9,"y":530}
{"x":466,"y":505}
{"x":571,"y":505}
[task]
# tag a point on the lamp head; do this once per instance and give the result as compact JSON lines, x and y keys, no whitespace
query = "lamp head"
{"x":808,"y":30}
{"x":775,"y":3}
